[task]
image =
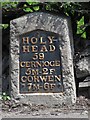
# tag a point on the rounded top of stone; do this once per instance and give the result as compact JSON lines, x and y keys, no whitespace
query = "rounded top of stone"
{"x":63,"y":16}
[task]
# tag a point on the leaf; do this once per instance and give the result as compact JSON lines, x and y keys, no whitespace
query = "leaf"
{"x":36,"y":8}
{"x":28,"y":10}
{"x":3,"y":26}
{"x":8,"y":98}
{"x":79,"y":28}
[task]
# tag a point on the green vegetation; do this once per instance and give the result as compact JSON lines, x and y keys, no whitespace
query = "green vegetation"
{"x":8,"y":4}
{"x":4,"y":97}
{"x":3,"y":26}
{"x":77,"y":11}
{"x":80,"y":30}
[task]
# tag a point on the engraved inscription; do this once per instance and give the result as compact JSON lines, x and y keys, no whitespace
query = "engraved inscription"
{"x":40,"y":63}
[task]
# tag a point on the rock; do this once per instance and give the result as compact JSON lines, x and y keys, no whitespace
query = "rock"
{"x":84,"y":112}
{"x":42,"y":23}
{"x":83,"y":64}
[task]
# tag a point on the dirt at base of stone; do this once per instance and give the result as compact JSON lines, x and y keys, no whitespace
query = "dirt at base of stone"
{"x":82,"y":104}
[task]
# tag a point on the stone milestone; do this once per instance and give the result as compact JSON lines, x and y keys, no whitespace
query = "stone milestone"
{"x":41,"y":54}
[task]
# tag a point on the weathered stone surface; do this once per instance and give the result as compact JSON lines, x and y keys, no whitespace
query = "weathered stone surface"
{"x":47,"y":22}
{"x":83,"y":64}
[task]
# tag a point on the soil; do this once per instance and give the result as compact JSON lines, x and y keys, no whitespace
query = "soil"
{"x":12,"y":108}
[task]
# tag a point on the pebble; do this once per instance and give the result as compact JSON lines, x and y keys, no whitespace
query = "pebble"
{"x":84,"y":112}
